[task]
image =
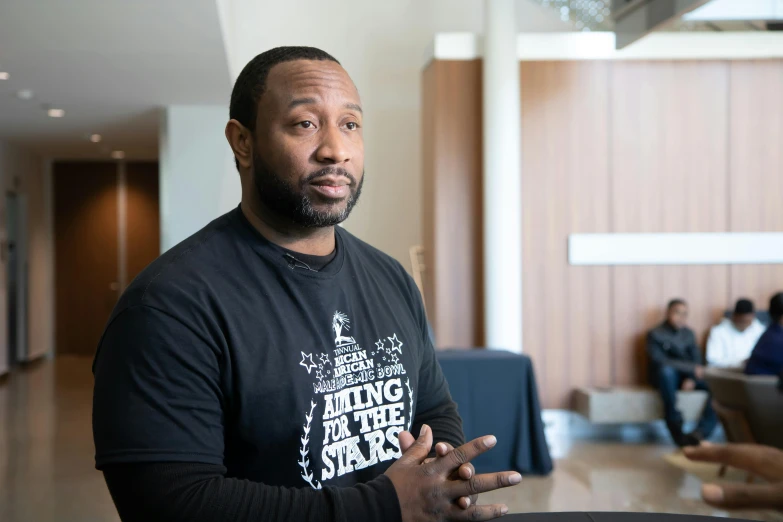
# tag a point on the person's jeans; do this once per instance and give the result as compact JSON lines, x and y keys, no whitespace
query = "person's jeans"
{"x":669,"y":382}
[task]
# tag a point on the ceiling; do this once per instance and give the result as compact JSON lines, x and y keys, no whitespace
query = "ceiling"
{"x":110,"y":65}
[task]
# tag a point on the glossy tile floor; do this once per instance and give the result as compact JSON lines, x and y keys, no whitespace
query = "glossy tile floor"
{"x":47,"y":473}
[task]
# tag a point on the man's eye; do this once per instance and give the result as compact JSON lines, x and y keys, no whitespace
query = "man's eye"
{"x":352,"y":125}
{"x":306,"y":124}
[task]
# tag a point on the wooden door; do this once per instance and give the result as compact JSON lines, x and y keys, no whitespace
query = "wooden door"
{"x":86,"y":254}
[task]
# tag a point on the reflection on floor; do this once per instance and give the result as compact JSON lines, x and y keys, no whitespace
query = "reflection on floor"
{"x":47,"y":469}
{"x":615,"y":477}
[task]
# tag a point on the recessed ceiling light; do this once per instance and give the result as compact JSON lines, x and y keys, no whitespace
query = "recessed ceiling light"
{"x":95,"y":138}
{"x":4,"y":75}
{"x":24,"y":94}
{"x":55,"y":113}
{"x":117,"y":154}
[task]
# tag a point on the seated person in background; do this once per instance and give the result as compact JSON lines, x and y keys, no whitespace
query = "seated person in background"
{"x":767,"y":356}
{"x":675,"y":363}
{"x":732,"y":340}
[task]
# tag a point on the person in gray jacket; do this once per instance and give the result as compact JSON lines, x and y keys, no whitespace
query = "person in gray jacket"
{"x":676,"y":363}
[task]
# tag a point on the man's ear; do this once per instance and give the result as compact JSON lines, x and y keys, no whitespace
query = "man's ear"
{"x":241,"y":141}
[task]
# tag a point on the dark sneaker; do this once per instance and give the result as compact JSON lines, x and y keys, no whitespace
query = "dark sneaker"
{"x":680,"y":439}
{"x":693,"y":438}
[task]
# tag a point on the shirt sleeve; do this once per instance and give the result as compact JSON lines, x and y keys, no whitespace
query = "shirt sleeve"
{"x":157,"y":393}
{"x":716,"y":347}
{"x":182,"y":491}
{"x":434,"y":405}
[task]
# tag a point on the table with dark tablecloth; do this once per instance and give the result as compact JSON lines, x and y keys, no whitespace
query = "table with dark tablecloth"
{"x":497,"y":395}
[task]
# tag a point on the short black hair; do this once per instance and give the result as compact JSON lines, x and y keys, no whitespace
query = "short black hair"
{"x":776,"y":307}
{"x":744,"y":307}
{"x":675,"y":302}
{"x":251,"y":82}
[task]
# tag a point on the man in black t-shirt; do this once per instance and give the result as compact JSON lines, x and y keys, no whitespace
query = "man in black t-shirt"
{"x":273,"y":366}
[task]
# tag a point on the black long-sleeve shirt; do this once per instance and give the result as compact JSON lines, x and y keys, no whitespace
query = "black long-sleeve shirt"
{"x":231,"y":380}
{"x":667,"y":346}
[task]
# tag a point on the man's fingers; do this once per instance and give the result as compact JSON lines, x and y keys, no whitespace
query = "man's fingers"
{"x":481,"y":512}
{"x":464,"y":454}
{"x":484,"y":483}
{"x":442,"y":449}
{"x":466,"y":471}
{"x":406,"y":441}
{"x":757,"y":459}
{"x":739,"y":496}
{"x":419,"y":450}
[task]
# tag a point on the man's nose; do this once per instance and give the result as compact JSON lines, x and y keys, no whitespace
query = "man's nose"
{"x":333,"y":148}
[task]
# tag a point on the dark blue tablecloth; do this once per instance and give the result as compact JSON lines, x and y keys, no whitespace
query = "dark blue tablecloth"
{"x":497,"y":395}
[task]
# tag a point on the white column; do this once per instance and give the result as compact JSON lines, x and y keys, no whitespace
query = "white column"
{"x":502,"y":179}
{"x":198,"y":180}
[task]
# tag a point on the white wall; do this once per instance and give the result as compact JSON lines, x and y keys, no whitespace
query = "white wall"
{"x":34,"y":182}
{"x":37,"y":185}
{"x":383,"y":46}
{"x":198,"y":180}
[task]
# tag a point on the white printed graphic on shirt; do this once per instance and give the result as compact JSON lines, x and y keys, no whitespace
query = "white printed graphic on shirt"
{"x":365,"y":389}
{"x":307,"y":362}
{"x":305,"y":451}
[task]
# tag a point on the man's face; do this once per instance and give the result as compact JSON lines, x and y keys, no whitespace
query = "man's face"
{"x":308,"y":154}
{"x":678,"y":315}
{"x":742,"y":321}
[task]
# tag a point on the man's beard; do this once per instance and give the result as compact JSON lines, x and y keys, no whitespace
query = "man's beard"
{"x":292,"y":202}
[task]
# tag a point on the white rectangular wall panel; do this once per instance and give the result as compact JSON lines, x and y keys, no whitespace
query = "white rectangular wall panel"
{"x":676,"y":249}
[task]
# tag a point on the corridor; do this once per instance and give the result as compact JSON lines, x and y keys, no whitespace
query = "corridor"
{"x":47,"y":468}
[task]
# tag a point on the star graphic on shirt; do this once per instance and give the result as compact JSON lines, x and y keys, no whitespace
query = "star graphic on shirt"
{"x":384,"y":358}
{"x":325,"y":359}
{"x":379,"y":344}
{"x":396,"y":344}
{"x":395,"y":359}
{"x":319,"y":375}
{"x":320,"y":366}
{"x":307,"y":362}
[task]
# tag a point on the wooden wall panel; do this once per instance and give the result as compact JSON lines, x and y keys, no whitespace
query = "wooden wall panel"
{"x":756,"y":169}
{"x":565,"y":187}
{"x":452,"y":202}
{"x":428,"y":110}
{"x":669,"y":174}
{"x":607,"y":147}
